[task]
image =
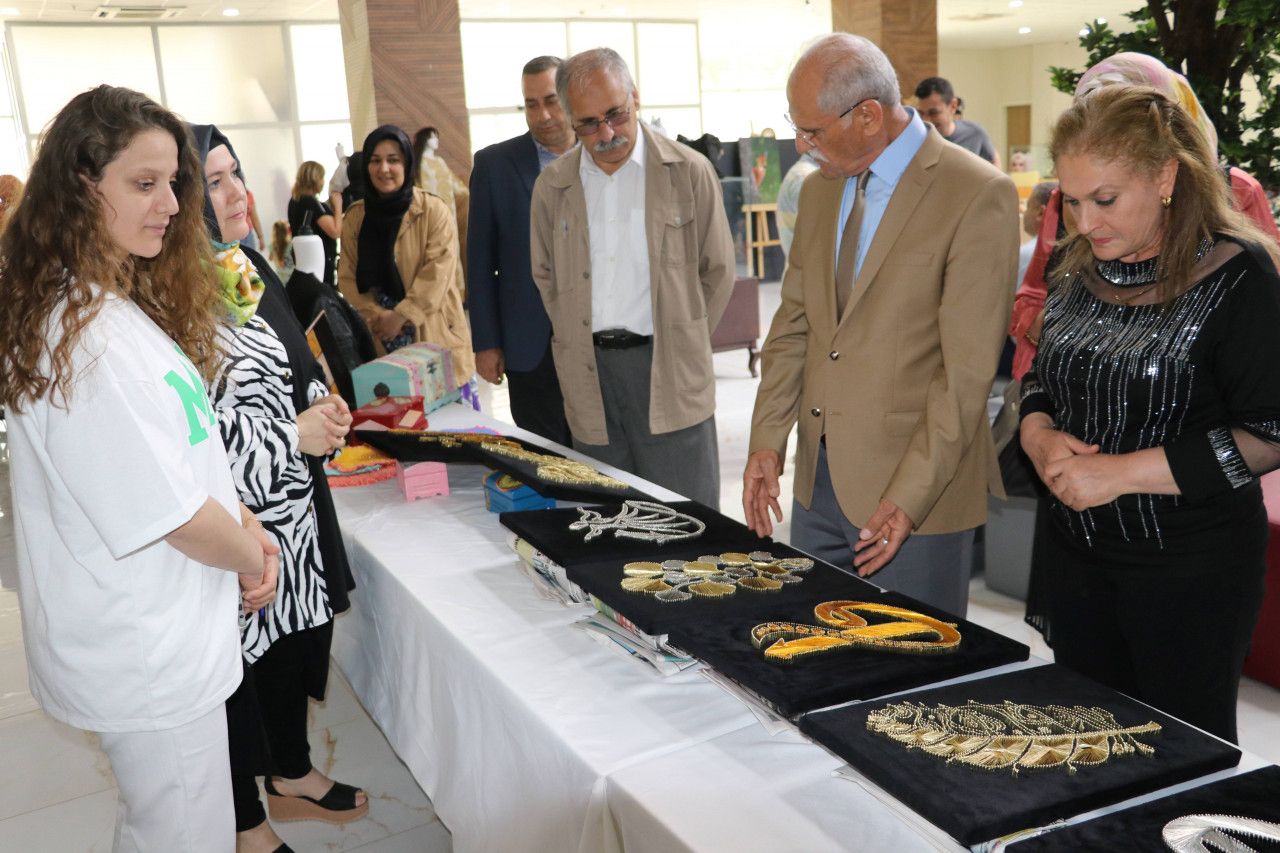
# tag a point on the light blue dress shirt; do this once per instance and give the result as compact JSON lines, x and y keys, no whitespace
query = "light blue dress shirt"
{"x":886,"y":171}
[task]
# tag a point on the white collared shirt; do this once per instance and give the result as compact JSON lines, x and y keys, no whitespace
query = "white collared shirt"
{"x":619,"y":248}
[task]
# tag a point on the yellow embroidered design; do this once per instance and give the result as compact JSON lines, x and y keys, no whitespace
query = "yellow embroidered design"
{"x":914,"y":633}
{"x":1011,"y":735}
{"x":555,"y":469}
{"x":713,"y":577}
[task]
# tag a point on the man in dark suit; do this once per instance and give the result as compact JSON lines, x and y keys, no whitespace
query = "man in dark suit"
{"x":510,"y":331}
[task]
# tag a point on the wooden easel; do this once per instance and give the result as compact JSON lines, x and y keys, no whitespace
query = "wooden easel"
{"x":758,"y":239}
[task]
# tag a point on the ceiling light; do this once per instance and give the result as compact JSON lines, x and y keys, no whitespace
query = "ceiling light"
{"x":231,"y":13}
{"x":1015,"y":4}
{"x":1022,"y":31}
{"x":1101,"y":20}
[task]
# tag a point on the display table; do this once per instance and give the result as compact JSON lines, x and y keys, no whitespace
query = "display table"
{"x":529,"y":734}
{"x":516,"y":723}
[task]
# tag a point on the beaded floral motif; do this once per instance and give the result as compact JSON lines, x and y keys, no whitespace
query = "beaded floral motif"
{"x":713,"y":576}
{"x":912,"y":632}
{"x":1011,"y":735}
{"x":643,"y":520}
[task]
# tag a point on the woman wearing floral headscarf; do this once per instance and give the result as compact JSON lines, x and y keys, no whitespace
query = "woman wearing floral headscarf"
{"x":277,"y":421}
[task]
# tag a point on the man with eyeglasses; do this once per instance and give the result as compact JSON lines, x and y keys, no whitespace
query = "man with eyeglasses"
{"x":510,"y":330}
{"x":632,"y":254}
{"x":894,"y":308}
{"x":937,"y":104}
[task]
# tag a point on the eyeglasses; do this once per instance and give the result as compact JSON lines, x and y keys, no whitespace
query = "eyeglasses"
{"x":614,"y":118}
{"x":810,"y":137}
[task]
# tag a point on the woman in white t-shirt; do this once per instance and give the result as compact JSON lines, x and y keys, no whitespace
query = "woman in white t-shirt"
{"x":130,"y":537}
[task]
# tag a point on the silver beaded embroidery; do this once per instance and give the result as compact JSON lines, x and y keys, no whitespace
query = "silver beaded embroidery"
{"x":1229,"y":458}
{"x":1123,"y":372}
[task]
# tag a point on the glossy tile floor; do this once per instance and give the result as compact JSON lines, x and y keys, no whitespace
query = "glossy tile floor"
{"x":56,"y":788}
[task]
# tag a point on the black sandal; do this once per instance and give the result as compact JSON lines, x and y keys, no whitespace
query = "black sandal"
{"x":338,"y":806}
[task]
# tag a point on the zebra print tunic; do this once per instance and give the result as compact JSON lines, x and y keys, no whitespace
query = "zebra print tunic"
{"x":253,"y":396}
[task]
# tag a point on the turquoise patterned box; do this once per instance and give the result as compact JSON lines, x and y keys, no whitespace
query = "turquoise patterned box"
{"x":417,"y":370}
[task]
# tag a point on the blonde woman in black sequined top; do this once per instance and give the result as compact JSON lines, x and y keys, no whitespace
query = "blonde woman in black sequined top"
{"x":1151,"y":408}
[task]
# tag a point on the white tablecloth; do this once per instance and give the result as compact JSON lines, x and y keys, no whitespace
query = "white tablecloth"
{"x":516,"y":724}
{"x":529,"y":734}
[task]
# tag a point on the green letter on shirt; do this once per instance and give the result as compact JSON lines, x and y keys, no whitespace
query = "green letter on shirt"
{"x":195,"y":402}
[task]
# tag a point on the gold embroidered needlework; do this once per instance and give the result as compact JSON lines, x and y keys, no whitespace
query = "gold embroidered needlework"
{"x":713,"y":576}
{"x":555,"y":469}
{"x":1011,"y":735}
{"x":913,"y":633}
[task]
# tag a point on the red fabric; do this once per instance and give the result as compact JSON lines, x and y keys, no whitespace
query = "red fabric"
{"x":1251,"y":200}
{"x":1248,"y":195}
{"x":1029,"y":302}
{"x":1263,"y":662}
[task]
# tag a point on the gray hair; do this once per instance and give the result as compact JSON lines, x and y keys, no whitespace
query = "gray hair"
{"x":577,"y":68}
{"x":853,"y":69}
{"x":540,"y":64}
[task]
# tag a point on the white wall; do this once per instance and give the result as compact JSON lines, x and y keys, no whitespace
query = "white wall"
{"x":990,"y":80}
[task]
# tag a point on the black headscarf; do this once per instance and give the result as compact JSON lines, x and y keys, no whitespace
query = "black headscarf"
{"x":208,"y":138}
{"x":376,"y":261}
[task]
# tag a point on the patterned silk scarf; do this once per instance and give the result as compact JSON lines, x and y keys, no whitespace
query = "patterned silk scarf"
{"x":242,"y":287}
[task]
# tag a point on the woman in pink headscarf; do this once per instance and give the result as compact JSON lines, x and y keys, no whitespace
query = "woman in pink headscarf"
{"x":1132,"y":69}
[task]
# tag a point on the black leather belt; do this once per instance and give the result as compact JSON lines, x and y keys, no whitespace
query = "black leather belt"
{"x":619,"y":339}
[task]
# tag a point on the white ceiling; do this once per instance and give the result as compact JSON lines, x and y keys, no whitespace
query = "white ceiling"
{"x":970,"y":24}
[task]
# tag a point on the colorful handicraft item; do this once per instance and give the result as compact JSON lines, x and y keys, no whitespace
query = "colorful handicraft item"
{"x":713,"y":577}
{"x":240,"y":285}
{"x":555,"y":469}
{"x":913,"y":633}
{"x":1011,"y":735}
{"x":1200,"y":833}
{"x":644,"y":520}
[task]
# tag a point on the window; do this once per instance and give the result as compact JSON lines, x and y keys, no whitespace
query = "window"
{"x":662,"y":55}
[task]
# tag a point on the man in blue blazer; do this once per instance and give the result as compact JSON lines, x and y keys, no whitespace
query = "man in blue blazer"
{"x":510,"y":331}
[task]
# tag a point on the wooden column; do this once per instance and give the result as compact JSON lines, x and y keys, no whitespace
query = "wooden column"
{"x":906,"y":30}
{"x":404,"y":67}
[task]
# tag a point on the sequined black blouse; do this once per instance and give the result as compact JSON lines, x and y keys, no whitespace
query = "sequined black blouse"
{"x":1200,"y":379}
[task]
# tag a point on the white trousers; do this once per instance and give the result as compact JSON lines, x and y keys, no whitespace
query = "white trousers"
{"x":175,"y":788}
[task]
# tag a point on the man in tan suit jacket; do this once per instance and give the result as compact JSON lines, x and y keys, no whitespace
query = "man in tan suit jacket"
{"x":890,"y":394}
{"x":633,"y":258}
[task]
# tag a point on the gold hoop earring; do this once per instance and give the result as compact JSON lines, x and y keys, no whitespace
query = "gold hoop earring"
{"x":1165,"y":201}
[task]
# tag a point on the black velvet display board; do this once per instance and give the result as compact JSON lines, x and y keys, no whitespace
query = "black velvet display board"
{"x":1138,"y":829}
{"x":405,"y":446}
{"x":548,"y":531}
{"x":976,"y":805}
{"x":821,"y":583}
{"x":839,"y":675}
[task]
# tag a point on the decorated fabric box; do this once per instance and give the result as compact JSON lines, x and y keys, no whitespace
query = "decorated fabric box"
{"x":504,"y":493}
{"x":417,"y":370}
{"x":390,"y":413}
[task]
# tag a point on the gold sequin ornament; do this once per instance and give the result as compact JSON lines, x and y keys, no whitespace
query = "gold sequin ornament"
{"x":556,"y":469}
{"x":1011,"y":736}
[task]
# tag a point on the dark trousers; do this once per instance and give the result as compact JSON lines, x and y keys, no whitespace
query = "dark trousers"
{"x":686,"y":461}
{"x":1174,"y":635}
{"x":536,"y":402}
{"x":268,"y":713}
{"x":934,"y":569}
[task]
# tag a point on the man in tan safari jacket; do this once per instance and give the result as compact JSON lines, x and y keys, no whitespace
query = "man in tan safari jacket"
{"x":633,"y":258}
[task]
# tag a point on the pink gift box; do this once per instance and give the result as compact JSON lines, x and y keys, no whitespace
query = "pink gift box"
{"x":422,"y":479}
